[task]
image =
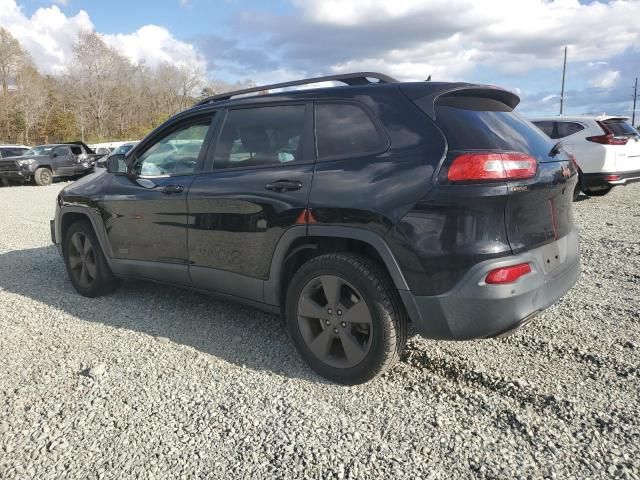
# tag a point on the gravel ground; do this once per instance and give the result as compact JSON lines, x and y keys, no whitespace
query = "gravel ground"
{"x":156,"y":382}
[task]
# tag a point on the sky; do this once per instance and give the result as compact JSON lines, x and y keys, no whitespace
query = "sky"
{"x":516,"y":44}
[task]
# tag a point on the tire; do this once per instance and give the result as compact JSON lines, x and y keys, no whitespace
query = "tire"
{"x":355,"y":279}
{"x":86,"y":265}
{"x":43,"y":177}
{"x":597,"y":193}
{"x":6,"y":182}
{"x":576,"y":192}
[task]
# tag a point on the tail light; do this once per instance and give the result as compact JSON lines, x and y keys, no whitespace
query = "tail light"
{"x":608,"y":138}
{"x":503,"y":275}
{"x":492,"y":166}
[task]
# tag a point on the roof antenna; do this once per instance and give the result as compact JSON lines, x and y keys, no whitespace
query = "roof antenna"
{"x":428,"y":78}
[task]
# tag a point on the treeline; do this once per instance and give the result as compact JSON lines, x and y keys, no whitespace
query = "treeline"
{"x":101,"y":96}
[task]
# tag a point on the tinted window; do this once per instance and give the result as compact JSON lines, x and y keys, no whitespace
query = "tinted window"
{"x":620,"y":128}
{"x":254,"y":137}
{"x":176,"y":153}
{"x":61,"y":151}
{"x":12,"y":152}
{"x":491,"y":130}
{"x":568,"y":128}
{"x":345,"y":130}
{"x":546,"y":127}
{"x":76,"y":150}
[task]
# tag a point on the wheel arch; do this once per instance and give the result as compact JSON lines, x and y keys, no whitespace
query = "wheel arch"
{"x":71,"y":214}
{"x":299,"y":244}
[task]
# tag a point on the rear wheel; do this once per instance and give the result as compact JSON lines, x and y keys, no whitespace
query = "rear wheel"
{"x":6,"y":182}
{"x":43,"y":176}
{"x":88,"y":270}
{"x":601,"y":192}
{"x":345,"y":317}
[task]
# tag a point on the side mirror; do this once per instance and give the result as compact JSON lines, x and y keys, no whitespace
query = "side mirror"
{"x":116,"y":164}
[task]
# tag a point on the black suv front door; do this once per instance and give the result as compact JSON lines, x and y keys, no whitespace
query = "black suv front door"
{"x":257,"y":185}
{"x":146,"y":209}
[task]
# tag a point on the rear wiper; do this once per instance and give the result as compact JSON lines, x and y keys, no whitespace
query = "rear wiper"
{"x":555,"y":149}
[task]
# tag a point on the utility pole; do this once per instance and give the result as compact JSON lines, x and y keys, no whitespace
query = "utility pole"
{"x":635,"y":96}
{"x":564,"y":72}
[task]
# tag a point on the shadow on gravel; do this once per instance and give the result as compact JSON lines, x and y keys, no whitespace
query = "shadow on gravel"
{"x":237,"y":334}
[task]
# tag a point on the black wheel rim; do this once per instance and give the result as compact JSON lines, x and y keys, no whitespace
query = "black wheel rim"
{"x":82,"y":260}
{"x":335,"y":321}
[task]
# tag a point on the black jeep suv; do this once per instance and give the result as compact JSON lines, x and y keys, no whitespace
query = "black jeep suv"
{"x":357,"y":211}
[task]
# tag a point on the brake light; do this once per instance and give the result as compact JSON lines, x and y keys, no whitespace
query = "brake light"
{"x":510,"y":274}
{"x":492,"y":166}
{"x":608,"y":138}
{"x":612,"y":178}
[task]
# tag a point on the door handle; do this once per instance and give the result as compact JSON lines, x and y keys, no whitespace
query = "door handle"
{"x":172,"y":189}
{"x":284,"y":186}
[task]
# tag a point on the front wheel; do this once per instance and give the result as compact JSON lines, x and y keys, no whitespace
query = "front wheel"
{"x":86,"y":265}
{"x":345,"y":317}
{"x":43,"y":177}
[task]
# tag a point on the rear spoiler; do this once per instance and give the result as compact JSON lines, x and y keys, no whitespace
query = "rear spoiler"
{"x":454,"y":94}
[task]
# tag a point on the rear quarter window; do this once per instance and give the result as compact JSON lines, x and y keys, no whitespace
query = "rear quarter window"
{"x":345,"y":130}
{"x":568,"y":128}
{"x":467,"y":129}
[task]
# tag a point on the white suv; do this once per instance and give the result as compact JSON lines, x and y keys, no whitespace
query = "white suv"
{"x":606,"y":149}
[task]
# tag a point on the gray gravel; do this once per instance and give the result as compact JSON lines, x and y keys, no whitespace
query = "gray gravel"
{"x":155,"y":382}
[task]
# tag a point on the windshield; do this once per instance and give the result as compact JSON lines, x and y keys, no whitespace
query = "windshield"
{"x":620,"y":128}
{"x":123,"y":149}
{"x":40,"y":150}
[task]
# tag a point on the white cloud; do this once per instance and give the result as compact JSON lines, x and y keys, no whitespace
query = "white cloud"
{"x":152,"y":44}
{"x":606,"y":80}
{"x":448,"y":38}
{"x":49,"y":35}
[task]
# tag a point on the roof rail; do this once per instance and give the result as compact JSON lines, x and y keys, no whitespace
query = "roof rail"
{"x":359,"y":78}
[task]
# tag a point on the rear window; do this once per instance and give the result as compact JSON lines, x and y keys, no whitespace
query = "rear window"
{"x":620,"y":128}
{"x":12,"y":152}
{"x":344,"y":130}
{"x":491,"y":130}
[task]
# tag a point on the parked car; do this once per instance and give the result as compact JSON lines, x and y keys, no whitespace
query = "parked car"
{"x":12,"y":150}
{"x":44,"y":162}
{"x":606,"y":149}
{"x":355,"y":211}
{"x":119,"y":150}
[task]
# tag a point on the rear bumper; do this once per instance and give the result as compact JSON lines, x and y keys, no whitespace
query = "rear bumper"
{"x":609,"y":179}
{"x":473,"y":309}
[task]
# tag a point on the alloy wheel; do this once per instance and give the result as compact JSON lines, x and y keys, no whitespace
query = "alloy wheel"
{"x":335,"y":321}
{"x":82,"y":260}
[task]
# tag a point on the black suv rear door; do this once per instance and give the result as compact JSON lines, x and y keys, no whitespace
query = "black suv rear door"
{"x":257,"y":186}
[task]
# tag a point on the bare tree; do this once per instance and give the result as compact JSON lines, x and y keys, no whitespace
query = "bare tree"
{"x":31,"y":97}
{"x":11,"y":55}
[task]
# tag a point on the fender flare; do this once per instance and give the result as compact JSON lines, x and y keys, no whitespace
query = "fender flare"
{"x":96,"y":223}
{"x":272,"y":285}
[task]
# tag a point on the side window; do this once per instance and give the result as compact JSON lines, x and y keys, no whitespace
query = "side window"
{"x":345,"y":130}
{"x":546,"y":127}
{"x":568,"y":128}
{"x":175,"y":154}
{"x":76,"y":150}
{"x":61,"y":151}
{"x":254,"y":137}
